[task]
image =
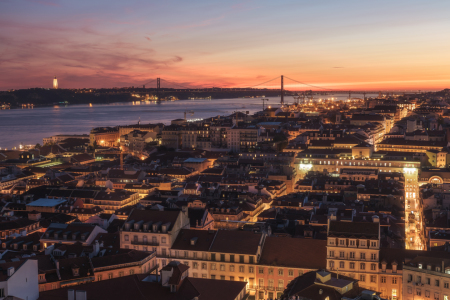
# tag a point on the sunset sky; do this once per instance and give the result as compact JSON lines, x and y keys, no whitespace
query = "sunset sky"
{"x":401,"y":44}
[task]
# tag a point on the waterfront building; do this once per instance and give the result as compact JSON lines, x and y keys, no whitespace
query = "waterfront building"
{"x":61,"y":137}
{"x":104,"y":136}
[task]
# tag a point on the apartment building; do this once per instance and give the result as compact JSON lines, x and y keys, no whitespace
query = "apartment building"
{"x":196,"y":137}
{"x":123,"y":264}
{"x":136,"y":140}
{"x":104,"y":136}
{"x":67,"y":272}
{"x":395,"y":112}
{"x":267,"y":264}
{"x":126,"y":129}
{"x":356,"y":158}
{"x":427,"y":278}
{"x":282,"y":260}
{"x":171,"y":137}
{"x":112,"y":200}
{"x":353,"y":250}
{"x":218,"y":134}
{"x":242,"y":138}
{"x":404,"y":145}
{"x":363,"y":119}
{"x":391,"y":271}
{"x":70,"y":234}
{"x":222,"y":254}
{"x":153,"y":230}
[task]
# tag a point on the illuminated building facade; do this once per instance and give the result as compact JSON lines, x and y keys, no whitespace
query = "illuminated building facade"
{"x":55,"y":83}
{"x":104,"y":136}
{"x":356,"y":164}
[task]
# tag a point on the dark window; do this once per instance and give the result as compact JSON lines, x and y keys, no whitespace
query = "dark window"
{"x":232,"y":257}
{"x":213,"y":256}
{"x":241,"y":258}
{"x":222,"y":257}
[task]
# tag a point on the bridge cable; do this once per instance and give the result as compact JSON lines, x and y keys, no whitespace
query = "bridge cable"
{"x":149,"y":82}
{"x":250,"y":87}
{"x":315,"y":86}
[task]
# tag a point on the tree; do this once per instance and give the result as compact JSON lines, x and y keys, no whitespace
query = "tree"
{"x":38,"y":146}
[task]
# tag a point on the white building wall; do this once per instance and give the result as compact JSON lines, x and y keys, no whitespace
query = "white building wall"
{"x":24,"y":282}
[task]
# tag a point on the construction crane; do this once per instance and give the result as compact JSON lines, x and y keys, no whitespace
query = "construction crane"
{"x":191,"y":112}
{"x":264,"y":100}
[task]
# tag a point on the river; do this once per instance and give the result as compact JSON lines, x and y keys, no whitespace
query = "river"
{"x":30,"y":126}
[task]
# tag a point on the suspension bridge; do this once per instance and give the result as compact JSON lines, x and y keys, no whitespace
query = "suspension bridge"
{"x":280,"y":86}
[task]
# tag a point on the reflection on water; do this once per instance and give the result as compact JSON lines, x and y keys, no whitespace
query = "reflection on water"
{"x":30,"y":126}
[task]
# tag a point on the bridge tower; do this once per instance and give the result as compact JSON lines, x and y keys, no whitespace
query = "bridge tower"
{"x":158,"y":87}
{"x":282,"y":90}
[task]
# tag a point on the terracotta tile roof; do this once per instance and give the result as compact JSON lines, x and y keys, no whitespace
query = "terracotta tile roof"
{"x":132,"y":287}
{"x":109,"y":240}
{"x":391,"y":255}
{"x":367,"y":229}
{"x":118,"y":195}
{"x":178,"y":269}
{"x":203,"y":240}
{"x":155,"y":216}
{"x":82,"y":157}
{"x":294,"y":252}
{"x":16,"y":224}
{"x":238,"y":242}
{"x":67,"y":265}
{"x":217,"y":289}
{"x":308,"y":287}
{"x":117,"y":259}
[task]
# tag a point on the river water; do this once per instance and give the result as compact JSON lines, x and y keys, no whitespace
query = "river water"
{"x":30,"y":126}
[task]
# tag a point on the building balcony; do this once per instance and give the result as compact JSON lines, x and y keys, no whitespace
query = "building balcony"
{"x":144,"y":243}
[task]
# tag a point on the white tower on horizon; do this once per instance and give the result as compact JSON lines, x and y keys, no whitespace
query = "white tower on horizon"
{"x":55,"y":83}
